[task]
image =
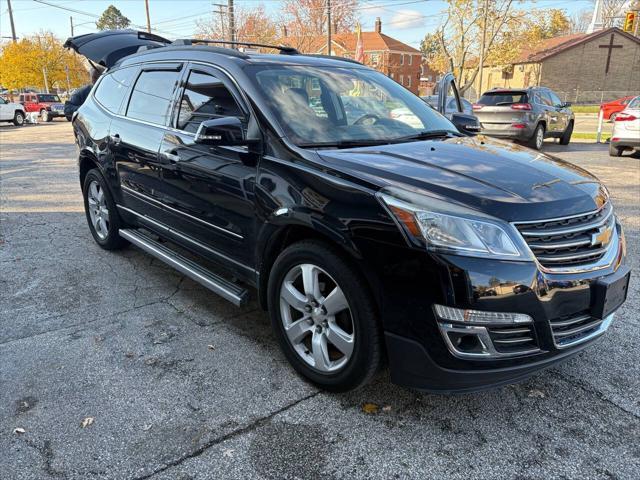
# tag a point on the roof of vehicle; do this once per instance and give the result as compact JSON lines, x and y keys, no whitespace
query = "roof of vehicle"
{"x":221,"y":55}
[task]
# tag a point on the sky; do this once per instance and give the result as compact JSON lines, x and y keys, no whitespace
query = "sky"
{"x":406,"y":20}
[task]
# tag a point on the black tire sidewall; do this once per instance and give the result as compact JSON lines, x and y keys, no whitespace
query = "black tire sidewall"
{"x":534,"y":139}
{"x":16,"y":122}
{"x":366,"y":355}
{"x":113,"y":239}
{"x":566,"y":135}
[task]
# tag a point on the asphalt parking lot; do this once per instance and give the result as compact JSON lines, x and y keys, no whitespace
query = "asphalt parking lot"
{"x":180,"y":384}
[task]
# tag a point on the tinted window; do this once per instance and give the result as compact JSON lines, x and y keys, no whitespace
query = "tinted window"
{"x":634,"y":103}
{"x":555,"y":100}
{"x":500,"y":98}
{"x":47,"y":97}
{"x":113,"y":87}
{"x":545,"y":99}
{"x":151,"y":97}
{"x":2,"y":101}
{"x":205,"y":97}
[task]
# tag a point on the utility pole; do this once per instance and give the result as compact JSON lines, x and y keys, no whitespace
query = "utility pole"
{"x":221,"y":10}
{"x":232,"y":21}
{"x":71,"y":22}
{"x":146,"y":6}
{"x":13,"y":27}
{"x":484,"y":39}
{"x":328,"y":27}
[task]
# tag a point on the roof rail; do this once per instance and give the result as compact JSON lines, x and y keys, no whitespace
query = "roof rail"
{"x":332,"y":57}
{"x":283,"y":48}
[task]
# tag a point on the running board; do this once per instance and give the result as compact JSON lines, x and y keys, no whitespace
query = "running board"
{"x":226,"y":289}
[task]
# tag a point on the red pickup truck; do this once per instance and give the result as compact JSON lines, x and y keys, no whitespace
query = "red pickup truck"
{"x":47,"y":104}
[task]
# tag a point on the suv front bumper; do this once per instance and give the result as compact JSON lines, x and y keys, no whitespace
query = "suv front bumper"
{"x":559,"y":304}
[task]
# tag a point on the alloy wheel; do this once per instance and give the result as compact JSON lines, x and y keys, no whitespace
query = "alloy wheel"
{"x":539,"y":138}
{"x":98,"y":211}
{"x":316,"y":317}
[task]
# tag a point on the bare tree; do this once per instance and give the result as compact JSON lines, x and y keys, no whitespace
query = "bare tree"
{"x":305,"y":20}
{"x":252,"y":25}
{"x":580,"y":21}
{"x":613,"y":12}
{"x":460,"y":34}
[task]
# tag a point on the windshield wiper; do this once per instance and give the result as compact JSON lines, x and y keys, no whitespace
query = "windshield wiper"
{"x":426,"y":135}
{"x":344,"y":144}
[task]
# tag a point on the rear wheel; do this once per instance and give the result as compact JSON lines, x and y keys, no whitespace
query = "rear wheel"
{"x":324,"y":317}
{"x":18,"y":119}
{"x":615,"y":151}
{"x":566,"y":136}
{"x":537,"y":140}
{"x":102,"y":214}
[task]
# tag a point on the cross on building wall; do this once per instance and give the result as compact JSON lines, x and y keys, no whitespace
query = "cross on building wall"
{"x":609,"y":46}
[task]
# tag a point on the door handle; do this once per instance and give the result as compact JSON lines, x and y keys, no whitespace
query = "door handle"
{"x":115,"y":139}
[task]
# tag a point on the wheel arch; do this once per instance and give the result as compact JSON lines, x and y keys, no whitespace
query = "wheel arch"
{"x":86,"y":162}
{"x":278,"y":237}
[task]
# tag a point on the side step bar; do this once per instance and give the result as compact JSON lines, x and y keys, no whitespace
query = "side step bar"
{"x":226,"y":289}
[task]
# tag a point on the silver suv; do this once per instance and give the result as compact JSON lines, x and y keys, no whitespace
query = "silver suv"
{"x":527,"y":115}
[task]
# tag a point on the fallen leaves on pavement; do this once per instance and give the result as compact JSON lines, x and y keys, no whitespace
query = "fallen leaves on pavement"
{"x":86,"y":422}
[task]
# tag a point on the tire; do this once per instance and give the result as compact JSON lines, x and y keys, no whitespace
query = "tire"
{"x":537,"y":140}
{"x":615,"y":151}
{"x":354,"y":325}
{"x":566,"y":136}
{"x":101,"y":212}
{"x":44,"y":115}
{"x":18,"y":118}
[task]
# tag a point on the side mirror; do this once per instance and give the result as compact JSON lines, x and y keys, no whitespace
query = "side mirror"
{"x":224,"y":131}
{"x":566,"y":105}
{"x":465,"y":123}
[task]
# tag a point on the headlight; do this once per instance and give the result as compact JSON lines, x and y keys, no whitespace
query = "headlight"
{"x":443,"y":226}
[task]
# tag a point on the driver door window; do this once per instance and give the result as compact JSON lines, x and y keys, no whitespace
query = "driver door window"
{"x":205,"y":97}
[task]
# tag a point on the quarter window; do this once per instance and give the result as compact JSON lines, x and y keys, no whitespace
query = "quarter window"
{"x":151,"y":97}
{"x":205,"y":97}
{"x":113,"y":87}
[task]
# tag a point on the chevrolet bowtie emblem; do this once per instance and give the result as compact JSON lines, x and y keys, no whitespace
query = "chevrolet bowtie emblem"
{"x":602,"y":236}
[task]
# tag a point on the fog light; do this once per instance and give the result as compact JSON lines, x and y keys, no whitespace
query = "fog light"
{"x":474,"y":317}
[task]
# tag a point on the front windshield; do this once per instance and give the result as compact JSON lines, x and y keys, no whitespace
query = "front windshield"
{"x":48,"y":98}
{"x":334,"y":106}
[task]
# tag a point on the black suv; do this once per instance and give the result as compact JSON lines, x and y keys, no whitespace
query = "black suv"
{"x":465,"y":262}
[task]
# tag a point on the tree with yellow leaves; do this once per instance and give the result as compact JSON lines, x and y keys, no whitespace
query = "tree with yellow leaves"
{"x":41,"y":62}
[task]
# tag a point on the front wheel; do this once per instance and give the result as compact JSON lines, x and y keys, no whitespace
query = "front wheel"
{"x":566,"y":136}
{"x":18,"y":119}
{"x":101,"y":211}
{"x":45,"y":115}
{"x":537,"y":139}
{"x":324,"y":317}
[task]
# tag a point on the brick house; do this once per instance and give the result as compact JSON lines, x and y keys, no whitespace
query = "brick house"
{"x":602,"y":64}
{"x":382,"y":52}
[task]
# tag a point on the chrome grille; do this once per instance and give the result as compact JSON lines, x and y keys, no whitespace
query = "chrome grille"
{"x":513,"y":339}
{"x":573,"y":329}
{"x":574,"y":240}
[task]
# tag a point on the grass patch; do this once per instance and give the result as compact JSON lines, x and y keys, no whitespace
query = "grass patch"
{"x":585,"y":108}
{"x":590,"y":135}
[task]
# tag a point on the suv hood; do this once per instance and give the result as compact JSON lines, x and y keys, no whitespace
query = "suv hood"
{"x":107,"y":47}
{"x":502,"y":179}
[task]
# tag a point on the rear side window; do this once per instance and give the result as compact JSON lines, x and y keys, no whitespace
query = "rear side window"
{"x":500,"y":98}
{"x":151,"y":97}
{"x":205,"y":97}
{"x":113,"y":87}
